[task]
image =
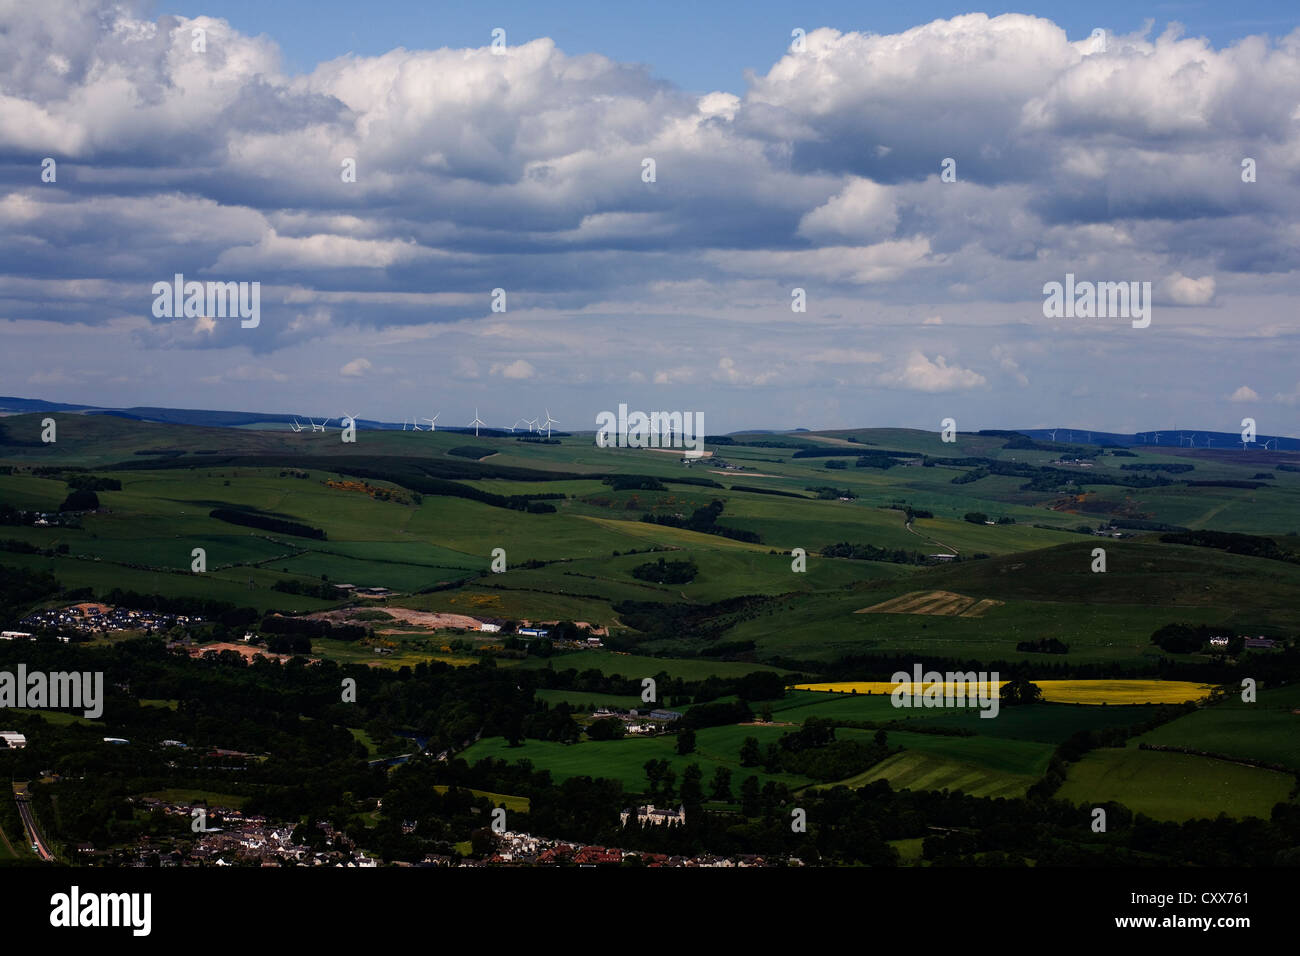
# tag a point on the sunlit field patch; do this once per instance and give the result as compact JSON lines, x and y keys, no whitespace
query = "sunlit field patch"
{"x":1061,"y":691}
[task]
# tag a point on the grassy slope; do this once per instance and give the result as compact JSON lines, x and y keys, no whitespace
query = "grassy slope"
{"x":1267,"y":730}
{"x":1169,"y":786}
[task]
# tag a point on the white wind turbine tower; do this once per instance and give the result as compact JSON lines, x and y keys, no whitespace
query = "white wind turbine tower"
{"x":1052,"y":433}
{"x":432,"y":426}
{"x":315,"y":427}
{"x":296,"y":426}
{"x":347,"y":418}
{"x":1157,"y":434}
{"x":1272,"y":441}
{"x":548,"y":423}
{"x":476,"y":422}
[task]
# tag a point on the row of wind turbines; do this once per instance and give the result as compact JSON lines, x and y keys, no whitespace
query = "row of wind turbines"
{"x":534,"y":424}
{"x":1190,"y":440}
{"x":1183,"y":438}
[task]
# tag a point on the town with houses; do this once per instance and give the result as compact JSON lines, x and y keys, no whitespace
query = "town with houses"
{"x":89,"y":619}
{"x":228,"y":837}
{"x":522,"y":849}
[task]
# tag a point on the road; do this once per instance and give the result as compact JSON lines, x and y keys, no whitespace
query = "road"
{"x":908,"y":526}
{"x":34,"y":836}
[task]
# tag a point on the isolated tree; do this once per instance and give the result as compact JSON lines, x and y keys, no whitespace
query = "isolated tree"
{"x":1020,"y":691}
{"x":607,"y":728}
{"x":692,"y":788}
{"x":686,"y":742}
{"x":750,"y":755}
{"x":653,"y":774}
{"x":772,"y":758}
{"x":669,"y":777}
{"x":720,"y":788}
{"x":749,"y":793}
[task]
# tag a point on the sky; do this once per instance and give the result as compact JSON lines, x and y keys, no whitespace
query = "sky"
{"x":655,"y":191}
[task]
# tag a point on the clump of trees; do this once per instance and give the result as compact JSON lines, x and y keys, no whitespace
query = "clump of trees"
{"x":1182,"y":638}
{"x":667,"y":572}
{"x":80,"y":499}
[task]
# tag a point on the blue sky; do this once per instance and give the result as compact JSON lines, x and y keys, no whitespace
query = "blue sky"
{"x":699,"y":46}
{"x":1169,"y":158}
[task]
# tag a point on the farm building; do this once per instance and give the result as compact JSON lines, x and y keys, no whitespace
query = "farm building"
{"x":14,"y":739}
{"x":533,"y":632}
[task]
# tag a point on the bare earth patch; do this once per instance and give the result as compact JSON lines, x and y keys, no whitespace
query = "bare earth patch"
{"x":429,"y":619}
{"x":938,"y":603}
{"x":433,"y":620}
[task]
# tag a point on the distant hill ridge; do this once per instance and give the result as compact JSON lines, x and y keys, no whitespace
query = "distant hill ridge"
{"x":214,"y":418}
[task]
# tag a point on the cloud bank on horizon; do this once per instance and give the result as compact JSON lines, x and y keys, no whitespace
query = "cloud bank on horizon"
{"x":920,"y":189}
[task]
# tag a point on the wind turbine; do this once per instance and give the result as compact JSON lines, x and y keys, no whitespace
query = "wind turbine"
{"x":347,"y":418}
{"x":432,"y":426}
{"x":1052,"y":433}
{"x":531,"y":423}
{"x":1273,"y":441}
{"x":476,"y":422}
{"x":296,"y":426}
{"x":549,"y":422}
{"x":315,"y":427}
{"x":1157,"y":438}
{"x":1208,"y":441}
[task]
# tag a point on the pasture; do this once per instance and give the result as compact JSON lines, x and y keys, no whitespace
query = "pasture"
{"x":1172,"y":786}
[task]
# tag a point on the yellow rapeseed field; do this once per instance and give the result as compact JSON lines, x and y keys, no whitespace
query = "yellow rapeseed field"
{"x":1064,"y":691}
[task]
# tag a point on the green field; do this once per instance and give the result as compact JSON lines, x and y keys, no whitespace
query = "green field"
{"x":624,"y":760}
{"x":583,"y":699}
{"x":981,"y":767}
{"x":230,"y":801}
{"x":1171,"y":786}
{"x":1267,"y":730}
{"x":630,"y":665}
{"x":1047,"y":723}
{"x":511,"y":803}
{"x":1037,"y":568}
